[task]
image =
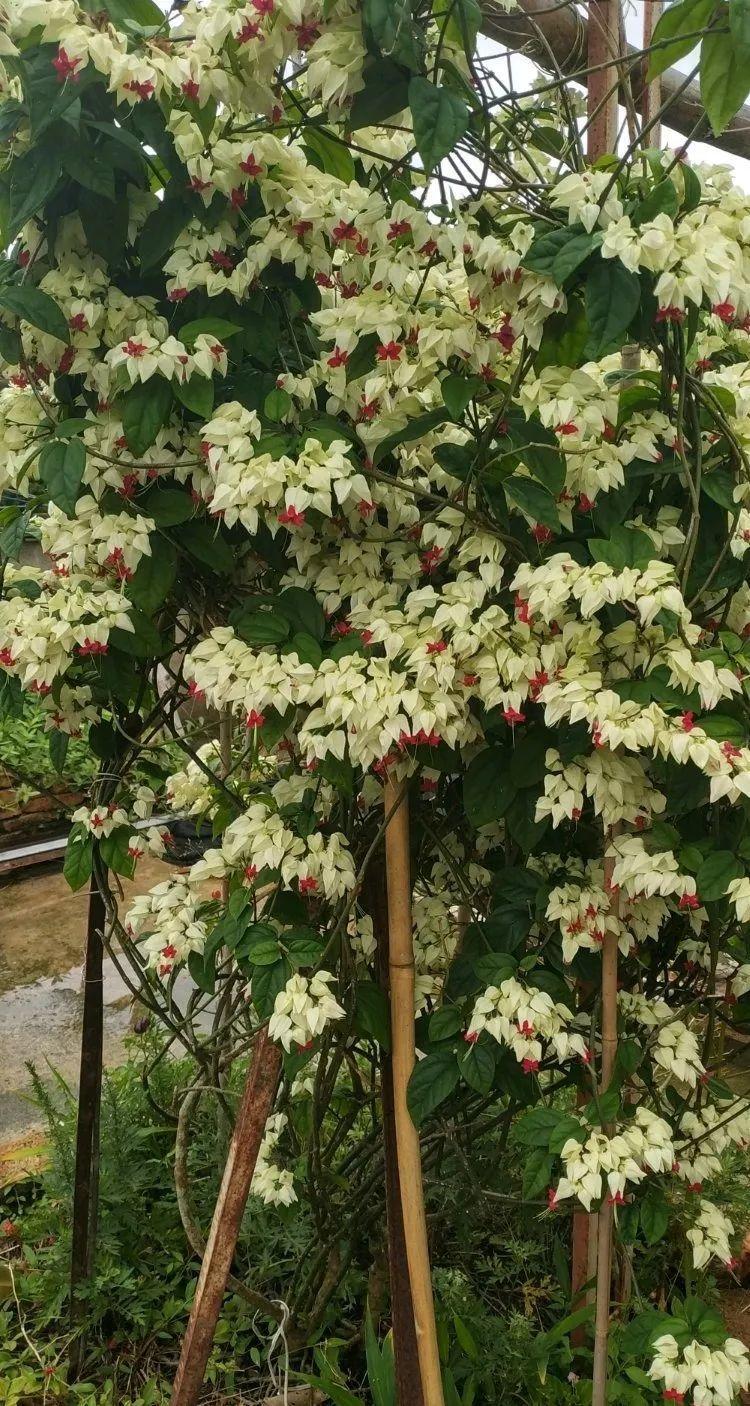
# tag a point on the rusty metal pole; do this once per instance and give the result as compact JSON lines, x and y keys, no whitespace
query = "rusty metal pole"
{"x":651,"y":95}
{"x":252,"y":1115}
{"x":603,"y":82}
{"x":86,"y":1182}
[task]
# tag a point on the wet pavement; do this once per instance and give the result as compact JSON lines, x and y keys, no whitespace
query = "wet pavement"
{"x":42,"y":939}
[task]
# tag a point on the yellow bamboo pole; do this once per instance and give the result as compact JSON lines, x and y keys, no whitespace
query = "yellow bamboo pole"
{"x":401,"y":972}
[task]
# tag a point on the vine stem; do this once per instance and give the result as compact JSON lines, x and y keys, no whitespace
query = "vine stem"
{"x":401,"y":973}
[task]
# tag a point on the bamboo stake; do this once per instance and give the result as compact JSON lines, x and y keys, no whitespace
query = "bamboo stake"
{"x":401,"y":970}
{"x":405,"y":1354}
{"x":257,"y":1101}
{"x":86,"y":1183}
{"x":606,"y":1070}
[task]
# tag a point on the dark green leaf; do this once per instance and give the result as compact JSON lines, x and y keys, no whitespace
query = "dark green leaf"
{"x":144,"y":642}
{"x":216,"y":327}
{"x":204,"y":542}
{"x":533,"y":499}
{"x":160,"y":231}
{"x":687,"y":18}
{"x":477,"y":1064}
{"x":458,"y":392}
{"x":303,"y":611}
{"x":89,"y":170}
{"x":417,"y":427}
{"x":725,"y":78}
{"x":612,"y":297}
{"x":371,"y":1014}
{"x":145,"y":409}
{"x":61,"y":466}
{"x":385,"y":93}
{"x":716,"y":873}
{"x":78,"y":858}
{"x":440,"y":118}
{"x":662,"y":200}
{"x":560,"y":252}
{"x":167,"y":506}
{"x":654,"y":1216}
{"x":433,"y":1079}
{"x":58,"y":748}
{"x":33,"y":179}
{"x":154,"y":575}
{"x":197,"y":394}
{"x":739,"y":21}
{"x":36,"y":308}
{"x":537,"y":1173}
{"x":487,"y":788}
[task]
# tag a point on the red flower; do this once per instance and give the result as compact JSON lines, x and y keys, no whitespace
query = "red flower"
{"x":541,"y":534}
{"x":66,"y":67}
{"x":344,"y":230}
{"x":254,"y":719}
{"x":428,"y":785}
{"x":176,"y":295}
{"x":397,"y":228}
{"x":389,"y":351}
{"x":92,"y":647}
{"x":585,"y":504}
{"x":238,"y":198}
{"x":730,"y":751}
{"x":250,"y":872}
{"x":430,"y":559}
{"x":670,"y":314}
{"x":436,"y":647}
{"x":512,"y":715}
{"x":471,"y":1036}
{"x":291,"y":517}
{"x":469,"y":680}
{"x":689,"y":900}
{"x":142,"y":90}
{"x":66,"y":360}
{"x":302,"y":227}
{"x":687,"y":721}
{"x":133,"y":348}
{"x":339,"y":357}
{"x":250,"y":167}
{"x":191,"y":89}
{"x":365,"y":508}
{"x":551,"y":1198}
{"x":78,"y":322}
{"x":724,"y":311}
{"x":569,"y":427}
{"x":530,"y":1066}
{"x":250,"y":30}
{"x":263,"y":7}
{"x":308,"y":885}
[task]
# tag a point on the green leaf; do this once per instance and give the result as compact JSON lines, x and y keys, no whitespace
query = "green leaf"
{"x":303,"y":611}
{"x":662,"y":200}
{"x":627,"y":546}
{"x":32,"y":180}
{"x":420,"y":425}
{"x":143,"y":642}
{"x":444,"y":1024}
{"x":559,"y":252}
{"x":114,"y":852}
{"x":689,"y":17}
{"x":204,"y":542}
{"x":719,"y":484}
{"x":535,"y":1129}
{"x":13,"y":524}
{"x":716,"y":873}
{"x":339,"y":1395}
{"x":160,"y":231}
{"x":654,"y":1216}
{"x":302,"y":946}
{"x":145,"y":408}
{"x":88,"y":170}
{"x":333,"y":155}
{"x":145,"y":14}
{"x":372,"y":1016}
{"x":257,"y":624}
{"x":440,"y":118}
{"x":217,"y":327}
{"x":739,"y":21}
{"x":389,"y":24}
{"x":61,"y":466}
{"x":533,"y":499}
{"x":267,"y":983}
{"x":307,"y":650}
{"x":196,"y":394}
{"x":725,"y":78}
{"x":78,"y":858}
{"x":167,"y":506}
{"x":458,"y":392}
{"x":642,"y":1331}
{"x":58,"y":748}
{"x":613,"y":294}
{"x":433,"y":1079}
{"x":537,"y":1173}
{"x":36,"y":308}
{"x":278,"y":403}
{"x":381,"y":1377}
{"x":487,"y":788}
{"x":477,"y":1064}
{"x":154,"y":575}
{"x":385,"y":94}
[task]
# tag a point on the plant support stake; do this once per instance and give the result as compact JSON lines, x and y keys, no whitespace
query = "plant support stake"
{"x":86,"y":1184}
{"x":252,"y":1115}
{"x":401,"y":971}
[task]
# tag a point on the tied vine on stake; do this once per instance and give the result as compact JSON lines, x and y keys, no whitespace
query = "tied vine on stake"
{"x":348,"y":456}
